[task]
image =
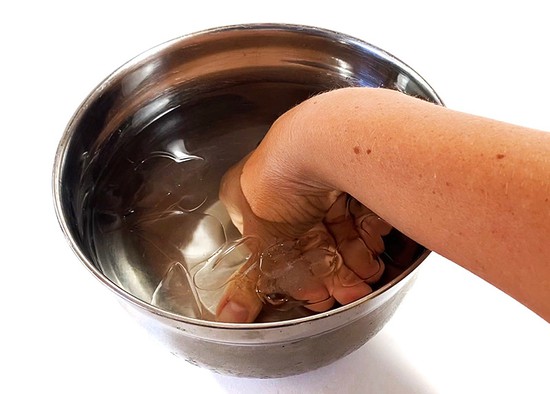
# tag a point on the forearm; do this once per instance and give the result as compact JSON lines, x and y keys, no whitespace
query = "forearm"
{"x":474,"y":190}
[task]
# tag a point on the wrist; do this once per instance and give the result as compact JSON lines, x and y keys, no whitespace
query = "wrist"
{"x":324,"y":128}
{"x":276,"y":178}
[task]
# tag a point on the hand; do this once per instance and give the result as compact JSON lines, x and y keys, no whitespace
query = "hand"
{"x":295,"y":219}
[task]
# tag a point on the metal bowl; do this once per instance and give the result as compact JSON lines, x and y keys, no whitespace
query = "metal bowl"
{"x":220,"y":88}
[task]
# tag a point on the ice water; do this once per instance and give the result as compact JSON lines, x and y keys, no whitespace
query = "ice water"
{"x":157,"y":228}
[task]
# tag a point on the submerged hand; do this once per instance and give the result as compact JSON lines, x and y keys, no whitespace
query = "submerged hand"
{"x":320,"y":246}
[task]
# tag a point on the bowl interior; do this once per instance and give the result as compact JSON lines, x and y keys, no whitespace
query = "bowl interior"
{"x":138,"y":169}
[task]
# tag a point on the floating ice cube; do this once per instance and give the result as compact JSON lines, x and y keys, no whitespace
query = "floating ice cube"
{"x":186,"y":237}
{"x":214,"y":275}
{"x":175,"y":293}
{"x":294,"y":272}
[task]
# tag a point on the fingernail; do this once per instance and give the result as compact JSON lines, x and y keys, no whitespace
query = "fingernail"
{"x":233,"y":312}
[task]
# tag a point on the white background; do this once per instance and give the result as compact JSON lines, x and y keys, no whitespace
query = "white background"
{"x":63,"y":332}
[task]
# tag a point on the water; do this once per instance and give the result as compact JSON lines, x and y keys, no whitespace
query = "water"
{"x":158,"y":230}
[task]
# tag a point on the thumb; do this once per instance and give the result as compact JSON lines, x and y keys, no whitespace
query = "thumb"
{"x":239,"y":303}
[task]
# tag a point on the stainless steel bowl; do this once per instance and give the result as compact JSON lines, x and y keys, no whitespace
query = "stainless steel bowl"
{"x":224,"y":85}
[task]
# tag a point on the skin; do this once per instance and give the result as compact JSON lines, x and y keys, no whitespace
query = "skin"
{"x":474,"y":190}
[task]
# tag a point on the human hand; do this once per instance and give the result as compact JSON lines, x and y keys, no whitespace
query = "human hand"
{"x":319,"y":245}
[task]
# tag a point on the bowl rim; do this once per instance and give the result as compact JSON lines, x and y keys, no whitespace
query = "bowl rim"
{"x":69,"y":131}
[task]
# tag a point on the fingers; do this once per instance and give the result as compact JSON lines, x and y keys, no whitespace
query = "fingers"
{"x":308,"y":271}
{"x":370,"y":227}
{"x":348,"y":287}
{"x":344,"y":286}
{"x":239,"y":303}
{"x":321,"y":306}
{"x":290,"y":273}
{"x":357,"y":256}
{"x":294,"y":272}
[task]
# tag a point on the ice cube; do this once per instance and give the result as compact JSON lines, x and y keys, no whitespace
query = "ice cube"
{"x":175,"y":293}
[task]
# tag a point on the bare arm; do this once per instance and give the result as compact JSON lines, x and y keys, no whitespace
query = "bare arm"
{"x":474,"y":190}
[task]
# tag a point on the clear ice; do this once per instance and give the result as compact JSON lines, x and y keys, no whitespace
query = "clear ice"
{"x":291,"y":270}
{"x":175,"y":293}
